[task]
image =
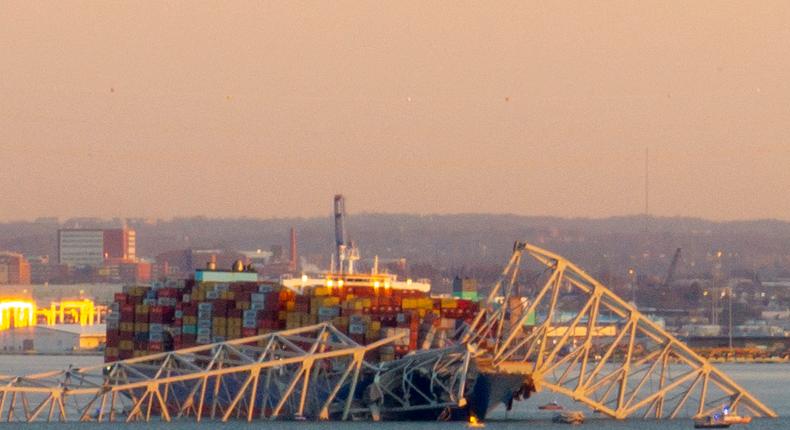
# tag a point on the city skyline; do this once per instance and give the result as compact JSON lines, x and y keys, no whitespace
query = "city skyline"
{"x":264,"y":110}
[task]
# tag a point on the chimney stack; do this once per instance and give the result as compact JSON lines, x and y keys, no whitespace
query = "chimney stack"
{"x":293,"y":263}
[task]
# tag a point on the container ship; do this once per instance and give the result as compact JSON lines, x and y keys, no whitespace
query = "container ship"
{"x":219,"y":305}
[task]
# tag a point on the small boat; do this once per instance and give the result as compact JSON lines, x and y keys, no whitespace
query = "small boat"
{"x":723,"y":419}
{"x":569,"y":417}
{"x":715,"y":421}
{"x":551,"y":406}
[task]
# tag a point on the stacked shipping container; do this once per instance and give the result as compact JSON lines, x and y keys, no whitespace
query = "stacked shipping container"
{"x":180,"y":314}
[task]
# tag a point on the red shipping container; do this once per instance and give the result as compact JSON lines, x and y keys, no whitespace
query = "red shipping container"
{"x":113,"y":338}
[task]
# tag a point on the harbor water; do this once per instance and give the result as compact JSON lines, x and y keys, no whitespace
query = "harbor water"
{"x":769,"y":382}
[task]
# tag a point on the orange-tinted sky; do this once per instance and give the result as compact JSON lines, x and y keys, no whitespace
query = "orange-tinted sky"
{"x":262,"y":109}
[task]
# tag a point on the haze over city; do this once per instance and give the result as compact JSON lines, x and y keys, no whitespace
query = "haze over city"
{"x":162,"y":109}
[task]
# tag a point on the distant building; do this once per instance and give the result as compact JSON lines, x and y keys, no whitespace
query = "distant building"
{"x":14,"y":269}
{"x":94,"y":247}
{"x":120,"y":245}
{"x":53,"y":339}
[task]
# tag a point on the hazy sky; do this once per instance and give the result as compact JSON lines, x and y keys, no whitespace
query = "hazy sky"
{"x":231,"y":108}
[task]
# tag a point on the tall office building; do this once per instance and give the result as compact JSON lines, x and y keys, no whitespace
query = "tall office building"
{"x":94,"y":247}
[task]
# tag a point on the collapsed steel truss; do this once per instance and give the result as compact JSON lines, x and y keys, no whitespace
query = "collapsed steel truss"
{"x":570,"y":335}
{"x":426,"y":380}
{"x":574,"y":336}
{"x":308,"y":372}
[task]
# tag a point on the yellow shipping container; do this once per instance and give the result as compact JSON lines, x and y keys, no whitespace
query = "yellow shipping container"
{"x":425,"y":303}
{"x":219,"y":322}
{"x":409,"y":303}
{"x":126,"y":326}
{"x":126,"y":345}
{"x":321,"y":291}
{"x":294,"y":318}
{"x":449,"y":304}
{"x":290,"y":306}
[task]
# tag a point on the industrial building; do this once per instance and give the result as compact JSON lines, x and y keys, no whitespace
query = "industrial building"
{"x":94,"y":247}
{"x":14,"y":269}
{"x":57,"y":339}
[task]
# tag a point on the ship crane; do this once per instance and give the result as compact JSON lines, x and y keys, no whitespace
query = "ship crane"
{"x":347,"y":252}
{"x":672,"y":268}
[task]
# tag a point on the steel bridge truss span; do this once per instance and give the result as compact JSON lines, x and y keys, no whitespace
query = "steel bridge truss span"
{"x":308,"y":372}
{"x":576,"y":337}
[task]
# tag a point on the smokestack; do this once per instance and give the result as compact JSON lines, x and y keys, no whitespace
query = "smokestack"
{"x":293,"y":263}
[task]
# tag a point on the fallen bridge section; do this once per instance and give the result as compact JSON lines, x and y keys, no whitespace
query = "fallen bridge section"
{"x":572,"y":335}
